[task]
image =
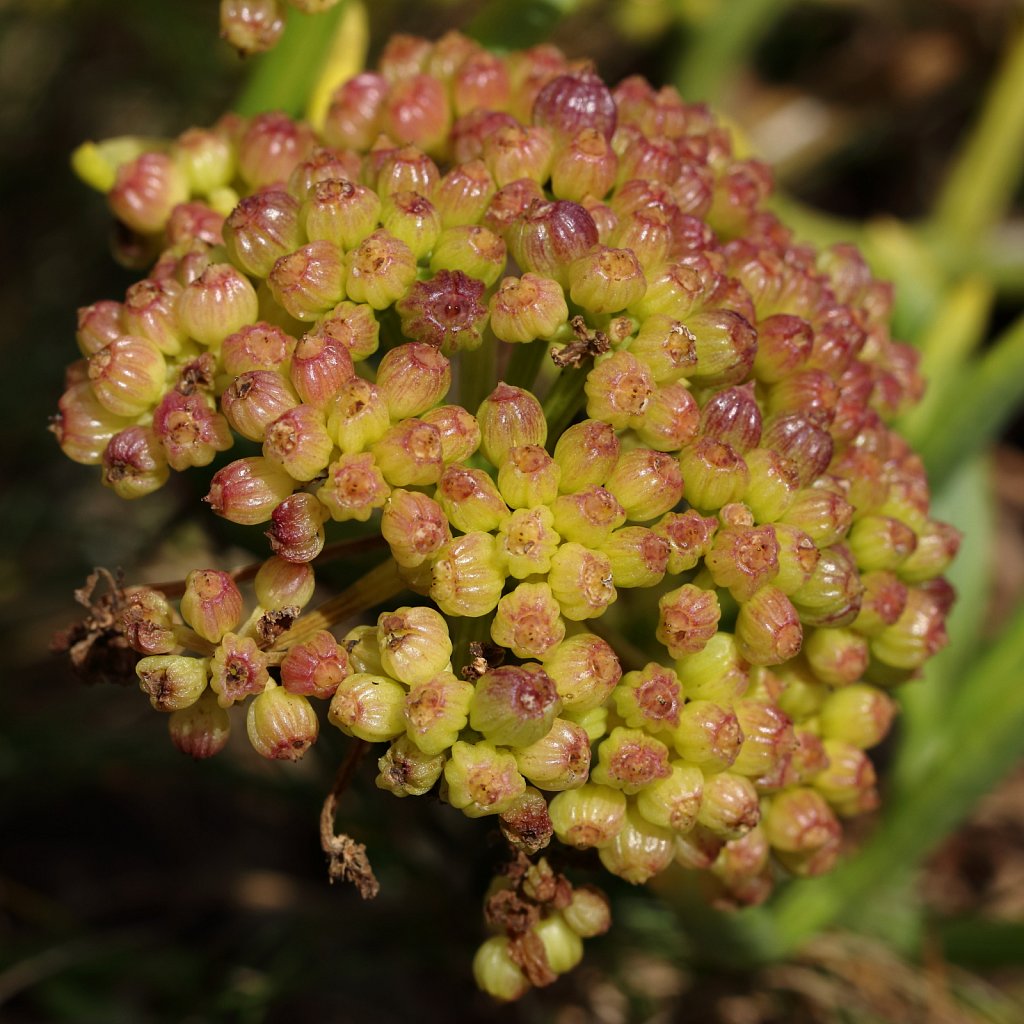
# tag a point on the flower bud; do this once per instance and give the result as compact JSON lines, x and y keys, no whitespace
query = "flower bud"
{"x":848,"y":781}
{"x":201,"y":729}
{"x":881,"y":542}
{"x":217,"y":303}
{"x":414,"y":644}
{"x":238,"y":668}
{"x":547,"y":237}
{"x":509,"y":417}
{"x":798,"y":557}
{"x":416,"y":111}
{"x":768,"y":738}
{"x":83,"y":426}
{"x":128,"y":375}
{"x":528,"y":621}
{"x":689,"y":536}
{"x":585,"y":671}
{"x":514,"y":705}
{"x":717,"y":673}
{"x":730,"y":807}
{"x":353,"y":118}
{"x":588,"y":516}
{"x":354,"y":487}
{"x":358,"y":415}
{"x":526,"y":308}
{"x":666,"y":347}
{"x":405,"y":770}
{"x":714,"y":474}
{"x":646,"y":483}
{"x":639,"y":851}
{"x":674,"y":801}
{"x":150,"y":311}
{"x":496,"y":973}
{"x":481,"y":779}
{"x":261,"y":229}
{"x":832,"y":594}
{"x":937,"y":545}
{"x":837,"y":657}
{"x":255,"y":399}
{"x":773,"y":484}
{"x":270,"y":148}
{"x":190,"y":431}
{"x":619,"y":390}
{"x":806,"y":445}
{"x":563,"y":948}
{"x":768,"y":628}
{"x":406,"y":169}
{"x":584,"y":166}
{"x":436,"y":711}
{"x":145,"y":191}
{"x":284,"y":586}
{"x":859,"y":715}
{"x":412,"y":220}
{"x":368,"y":707}
{"x":670,"y":420}
{"x":630,"y":759}
{"x":321,"y":367}
{"x":743,"y":559}
{"x":445,"y":312}
{"x":528,"y":477}
{"x":559,"y":760}
{"x":475,"y":251}
{"x":462,"y":195}
{"x":247,"y":491}
{"x":638,"y":556}
{"x":649,"y":699}
{"x":799,"y":821}
{"x":380,"y":270}
{"x":409,"y":454}
{"x":281,"y":725}
{"x":310,"y":280}
{"x":298,"y":442}
{"x":581,"y":581}
{"x":589,"y":816}
{"x":587,"y":452}
{"x":147,"y":622}
{"x":315,"y":667}
{"x":134,"y":463}
{"x":698,"y":849}
{"x":708,"y":735}
{"x":171,"y":682}
{"x":251,"y":26}
{"x":917,"y":635}
{"x":211,"y":603}
{"x":526,"y":825}
{"x":885,"y":598}
{"x":605,"y":280}
{"x":687,"y":618}
{"x":823,"y":515}
{"x":467,"y":577}
{"x":512,"y":152}
{"x":569,"y":104}
{"x":413,"y":378}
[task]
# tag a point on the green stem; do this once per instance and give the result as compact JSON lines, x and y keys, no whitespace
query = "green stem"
{"x":283,"y":78}
{"x":478,"y":370}
{"x":504,"y":26}
{"x":982,"y":182}
{"x":563,"y":401}
{"x":721,"y":43}
{"x":525,"y":364}
{"x":983,"y":403}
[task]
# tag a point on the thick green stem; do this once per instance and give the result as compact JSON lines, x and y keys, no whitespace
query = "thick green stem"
{"x":564,"y":400}
{"x":982,"y":182}
{"x":478,"y":370}
{"x":525,"y":364}
{"x":283,"y":79}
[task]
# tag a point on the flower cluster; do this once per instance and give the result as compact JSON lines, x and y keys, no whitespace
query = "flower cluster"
{"x":666,"y":576}
{"x":252,"y":26}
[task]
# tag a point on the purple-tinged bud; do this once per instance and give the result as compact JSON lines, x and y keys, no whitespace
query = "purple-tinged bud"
{"x":768,"y":738}
{"x":368,"y":707}
{"x":211,"y":604}
{"x":708,"y":735}
{"x":281,"y":725}
{"x":528,"y":307}
{"x":547,"y":237}
{"x":937,"y":545}
{"x":406,"y":169}
{"x":585,"y":670}
{"x":190,"y":431}
{"x":799,"y":821}
{"x":509,"y":417}
{"x":238,"y":668}
{"x":310,"y":280}
{"x":670,"y":420}
{"x":630,"y":759}
{"x":414,"y":644}
{"x":848,"y":782}
{"x":251,"y":26}
{"x":568,"y":104}
{"x":619,"y":390}
{"x":83,"y":426}
{"x":528,"y":622}
{"x":481,"y":779}
{"x":470,"y":499}
{"x":262,"y":228}
{"x":255,"y":400}
{"x":467,"y":575}
{"x":689,"y":536}
{"x":638,"y":556}
{"x":807,"y":446}
{"x":409,"y":454}
{"x":726,"y":345}
{"x":284,"y":586}
{"x":528,"y":477}
{"x":315,"y":667}
{"x":258,"y":346}
{"x":646,"y":483}
{"x":323,"y":164}
{"x":216,"y":304}
{"x":298,"y":442}
{"x":247,"y":491}
{"x":99,"y":325}
{"x":171,"y":681}
{"x":339,"y":211}
{"x":134,"y":463}
{"x":647,"y":233}
{"x":832,"y":594}
{"x":354,"y":487}
{"x":512,"y":152}
{"x":403,"y":55}
{"x":589,"y":816}
{"x":587,"y":453}
{"x":917,"y":635}
{"x":321,"y":368}
{"x":511,"y":203}
{"x":823,"y":515}
{"x":405,"y":770}
{"x":732,"y":416}
{"x":639,"y":851}
{"x":380,"y":270}
{"x":837,"y":657}
{"x":606,"y":280}
{"x":730,"y":807}
{"x":150,"y":311}
{"x":415,"y":528}
{"x":354,"y":327}
{"x":784,"y":346}
{"x":128,"y":375}
{"x":445,"y":312}
{"x":463,"y":194}
{"x":514,"y":705}
{"x":480,"y":83}
{"x":768,"y":628}
{"x":743,"y":559}
{"x":416,"y":111}
{"x":687,"y":618}
{"x":585,"y":166}
{"x":192,"y":225}
{"x":698,"y":849}
{"x":436,"y":711}
{"x":270,"y":148}
{"x":885,"y":597}
{"x":649,"y":699}
{"x":798,"y":557}
{"x":413,"y":378}
{"x":145,"y":191}
{"x":714,"y":474}
{"x":200,"y":730}
{"x":581,"y":581}
{"x":353,"y":118}
{"x":412,"y":219}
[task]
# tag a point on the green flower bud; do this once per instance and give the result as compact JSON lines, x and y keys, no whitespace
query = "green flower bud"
{"x":649,"y":699}
{"x":639,"y":850}
{"x":708,"y":735}
{"x":528,"y":621}
{"x":201,"y":729}
{"x":481,"y":779}
{"x":837,"y":657}
{"x":768,"y":629}
{"x":730,"y":807}
{"x":717,"y":673}
{"x":514,"y":705}
{"x":368,"y":707}
{"x":414,"y":644}
{"x":171,"y":681}
{"x":674,"y":801}
{"x":559,"y":760}
{"x":589,"y":816}
{"x":496,"y":973}
{"x":281,"y":726}
{"x":470,"y":499}
{"x":436,"y":711}
{"x":562,"y":945}
{"x":467,"y":577}
{"x":581,"y":581}
{"x":687,"y":619}
{"x":405,"y":770}
{"x":587,"y":453}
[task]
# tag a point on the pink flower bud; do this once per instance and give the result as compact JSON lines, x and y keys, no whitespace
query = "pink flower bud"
{"x":145,"y":191}
{"x":248,"y":490}
{"x":262,"y":228}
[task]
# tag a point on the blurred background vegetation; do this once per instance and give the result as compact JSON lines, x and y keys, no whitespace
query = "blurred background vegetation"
{"x":136,"y":886}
